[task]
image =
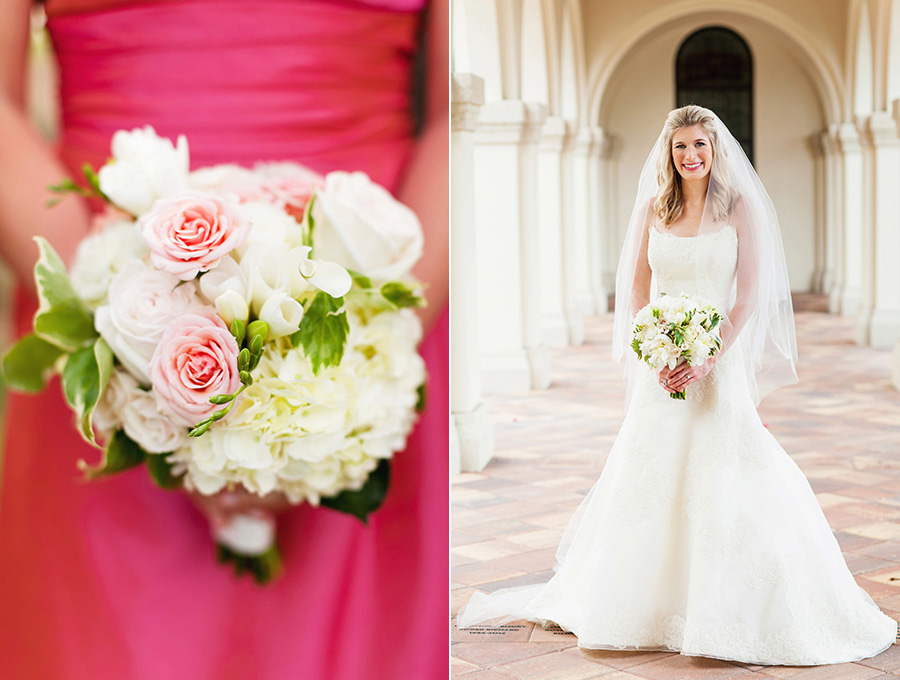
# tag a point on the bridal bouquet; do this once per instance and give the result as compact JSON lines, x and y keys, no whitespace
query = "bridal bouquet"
{"x":676,"y":329}
{"x":235,"y":330}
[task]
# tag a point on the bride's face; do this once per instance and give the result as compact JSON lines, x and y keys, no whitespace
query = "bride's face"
{"x":691,"y":152}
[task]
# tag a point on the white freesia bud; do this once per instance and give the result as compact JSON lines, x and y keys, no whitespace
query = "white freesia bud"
{"x":145,"y":167}
{"x":228,"y":275}
{"x":231,"y":305}
{"x":282,"y":313}
{"x":327,"y":276}
{"x":361,"y":226}
{"x":247,"y":535}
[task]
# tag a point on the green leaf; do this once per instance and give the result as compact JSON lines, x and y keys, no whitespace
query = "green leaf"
{"x":160,"y":470}
{"x":368,"y":499}
{"x":309,"y":223}
{"x":121,"y":454}
{"x":636,"y":346}
{"x":84,"y":378}
{"x":263,"y":568}
{"x":62,"y":318}
{"x":26,"y":364}
{"x":323,"y":331}
{"x":401,"y":295}
{"x":421,"y":401}
{"x":363,"y":282}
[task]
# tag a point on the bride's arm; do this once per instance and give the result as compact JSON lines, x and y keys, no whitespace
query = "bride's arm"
{"x":640,"y":287}
{"x":27,"y":162}
{"x":746,"y":277}
{"x":425,"y":188}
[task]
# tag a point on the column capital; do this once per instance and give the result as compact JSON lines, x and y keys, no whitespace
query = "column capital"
{"x":847,"y":138}
{"x":467,"y":97}
{"x":878,"y":130}
{"x":552,"y":134}
{"x":510,"y":121}
{"x":570,"y":135}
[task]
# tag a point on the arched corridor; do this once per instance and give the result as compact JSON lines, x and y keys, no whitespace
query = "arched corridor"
{"x":557,"y":103}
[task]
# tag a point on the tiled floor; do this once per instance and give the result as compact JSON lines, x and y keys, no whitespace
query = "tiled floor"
{"x":841,"y":424}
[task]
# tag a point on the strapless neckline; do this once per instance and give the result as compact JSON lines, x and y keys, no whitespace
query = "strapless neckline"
{"x":688,"y":238}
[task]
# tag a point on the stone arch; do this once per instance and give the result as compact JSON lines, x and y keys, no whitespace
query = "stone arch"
{"x":892,"y":70}
{"x":475,"y":44}
{"x":568,"y":76}
{"x":823,"y":71}
{"x":534,"y":63}
{"x":863,"y":63}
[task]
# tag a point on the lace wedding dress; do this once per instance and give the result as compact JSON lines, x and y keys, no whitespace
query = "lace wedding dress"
{"x":701,"y":536}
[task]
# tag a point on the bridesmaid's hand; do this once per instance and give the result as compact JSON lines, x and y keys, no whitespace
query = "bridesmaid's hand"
{"x":678,"y":378}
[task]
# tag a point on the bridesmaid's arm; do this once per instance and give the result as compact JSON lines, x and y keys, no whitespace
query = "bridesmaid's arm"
{"x":27,"y":162}
{"x":425,"y":187}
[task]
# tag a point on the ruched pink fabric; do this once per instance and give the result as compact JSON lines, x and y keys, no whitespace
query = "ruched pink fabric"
{"x":116,"y":578}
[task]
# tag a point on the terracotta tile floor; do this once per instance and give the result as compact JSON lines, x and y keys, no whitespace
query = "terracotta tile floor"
{"x":841,"y":424}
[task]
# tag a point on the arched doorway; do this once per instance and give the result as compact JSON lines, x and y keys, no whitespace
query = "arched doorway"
{"x":714,"y":68}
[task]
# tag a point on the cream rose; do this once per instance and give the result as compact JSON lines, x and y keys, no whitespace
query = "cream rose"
{"x":195,"y":360}
{"x":361,"y":226}
{"x":146,"y":426}
{"x":142,"y":303}
{"x":191,"y":232}
{"x":145,"y":167}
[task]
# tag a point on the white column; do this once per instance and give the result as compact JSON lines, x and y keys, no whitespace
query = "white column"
{"x":609,"y":195}
{"x":852,"y":181}
{"x":833,"y":223}
{"x":867,"y":235}
{"x":884,"y":241}
{"x":529,"y":234}
{"x":581,"y":190}
{"x":574,"y":315}
{"x":505,"y":364}
{"x":597,"y":222}
{"x":554,"y":326}
{"x":816,"y":145}
{"x":472,"y":440}
{"x":895,"y":367}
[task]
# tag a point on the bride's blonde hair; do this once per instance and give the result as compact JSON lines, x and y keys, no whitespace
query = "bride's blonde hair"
{"x":720,"y":196}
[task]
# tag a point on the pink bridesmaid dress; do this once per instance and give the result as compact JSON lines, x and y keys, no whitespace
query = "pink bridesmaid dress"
{"x":116,"y":579}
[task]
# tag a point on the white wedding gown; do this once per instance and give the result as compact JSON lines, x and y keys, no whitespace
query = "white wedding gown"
{"x":701,"y":536}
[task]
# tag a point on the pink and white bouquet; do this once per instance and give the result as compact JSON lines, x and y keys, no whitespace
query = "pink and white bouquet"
{"x":676,"y":329}
{"x":235,"y":329}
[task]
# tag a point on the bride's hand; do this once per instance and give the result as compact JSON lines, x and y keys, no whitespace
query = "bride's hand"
{"x":678,"y":378}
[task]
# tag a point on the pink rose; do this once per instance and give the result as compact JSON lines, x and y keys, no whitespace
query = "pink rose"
{"x":195,"y":360}
{"x":289,"y":185}
{"x":189,"y":233}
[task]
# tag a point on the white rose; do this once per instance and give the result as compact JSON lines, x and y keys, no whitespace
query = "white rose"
{"x":100,"y":257}
{"x":145,"y":167}
{"x":107,"y":417}
{"x":142,"y":302}
{"x":149,"y":428}
{"x":361,"y":226}
{"x":271,"y":227}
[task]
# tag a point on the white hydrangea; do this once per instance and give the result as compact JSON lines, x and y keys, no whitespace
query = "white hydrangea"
{"x":100,"y":256}
{"x":313,"y":436}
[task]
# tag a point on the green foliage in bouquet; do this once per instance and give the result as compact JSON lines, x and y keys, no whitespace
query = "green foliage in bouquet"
{"x":63,"y":335}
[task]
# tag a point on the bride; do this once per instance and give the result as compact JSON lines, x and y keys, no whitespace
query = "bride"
{"x":702,"y":536}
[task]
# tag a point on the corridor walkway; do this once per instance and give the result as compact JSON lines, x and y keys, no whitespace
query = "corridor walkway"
{"x":841,"y":424}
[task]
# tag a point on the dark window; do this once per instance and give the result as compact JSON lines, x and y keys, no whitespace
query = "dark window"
{"x":714,"y":69}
